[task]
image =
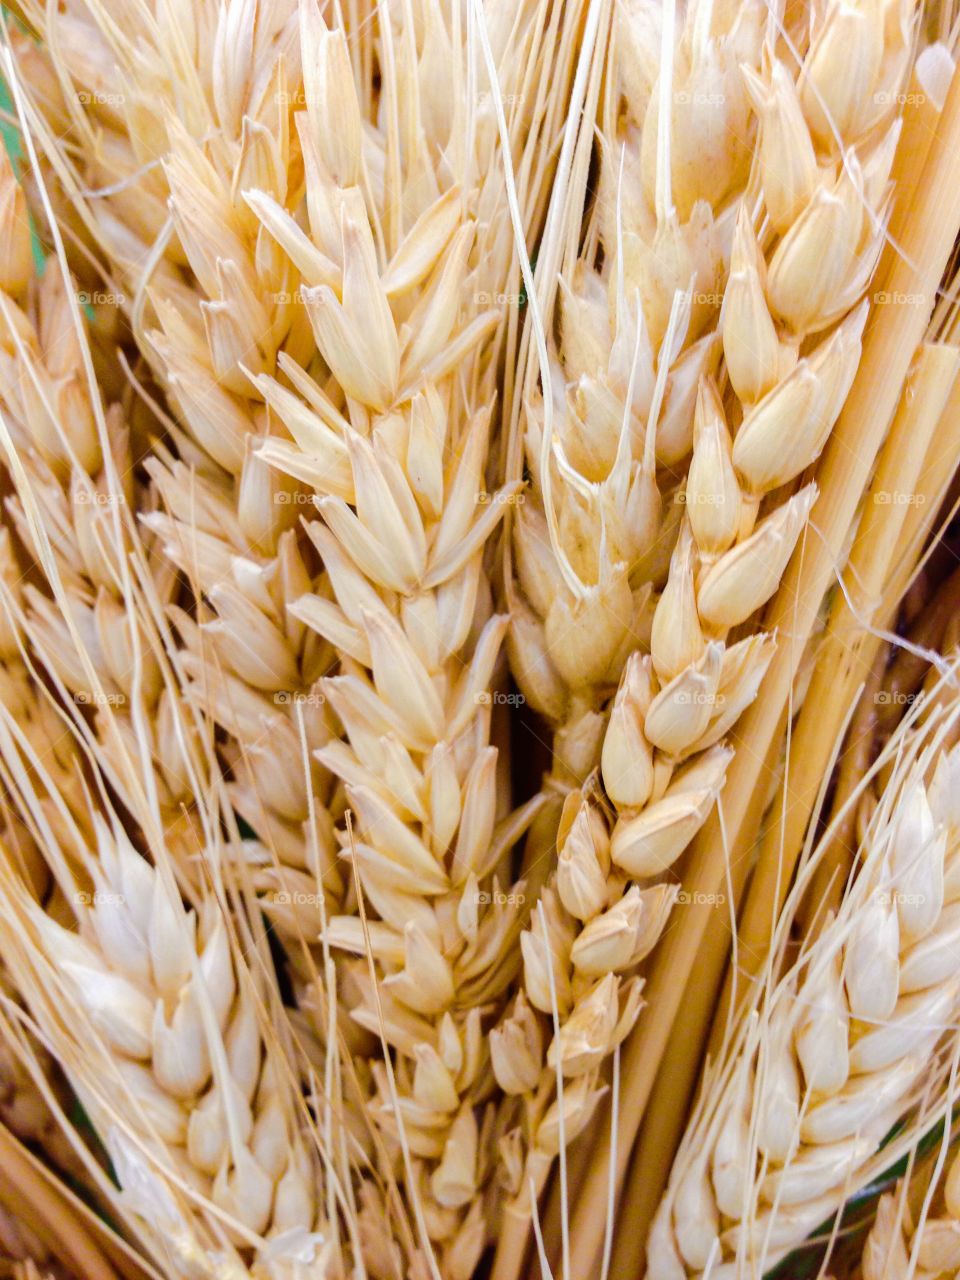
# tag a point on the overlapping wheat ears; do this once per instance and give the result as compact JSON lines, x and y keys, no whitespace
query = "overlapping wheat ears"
{"x":479,"y":720}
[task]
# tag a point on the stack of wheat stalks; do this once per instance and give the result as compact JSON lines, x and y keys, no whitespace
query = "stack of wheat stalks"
{"x":479,"y":679}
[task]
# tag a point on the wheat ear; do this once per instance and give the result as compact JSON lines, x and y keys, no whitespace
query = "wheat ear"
{"x":849,"y":1039}
{"x":392,"y":431}
{"x":159,"y":1031}
{"x":260,"y":1176}
{"x":790,"y":343}
{"x":211,"y":301}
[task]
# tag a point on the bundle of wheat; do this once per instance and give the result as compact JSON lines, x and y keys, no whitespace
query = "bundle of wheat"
{"x":251,"y":676}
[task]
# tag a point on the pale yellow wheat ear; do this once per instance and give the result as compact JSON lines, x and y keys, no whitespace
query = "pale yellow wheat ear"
{"x":703,"y":349}
{"x":848,"y":1055}
{"x":174,"y":1043}
{"x":227,"y":305}
{"x":188,"y":120}
{"x":407,"y":600}
{"x":248,"y":1170}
